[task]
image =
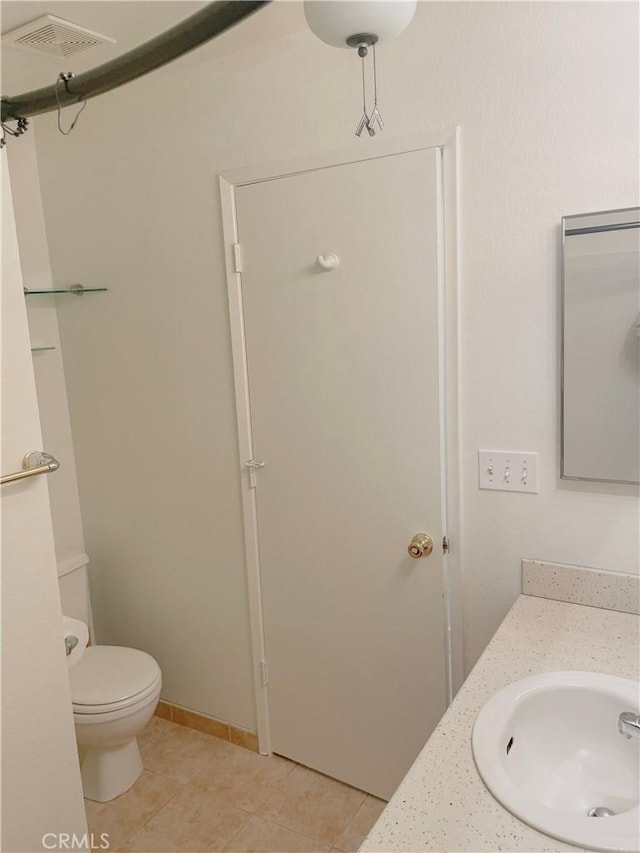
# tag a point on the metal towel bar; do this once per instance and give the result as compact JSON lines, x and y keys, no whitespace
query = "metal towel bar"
{"x":45,"y":463}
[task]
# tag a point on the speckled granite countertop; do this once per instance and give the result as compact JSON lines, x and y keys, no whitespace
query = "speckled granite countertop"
{"x":442,"y":804}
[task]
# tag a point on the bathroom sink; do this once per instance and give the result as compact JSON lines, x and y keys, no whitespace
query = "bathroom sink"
{"x":549,"y":750}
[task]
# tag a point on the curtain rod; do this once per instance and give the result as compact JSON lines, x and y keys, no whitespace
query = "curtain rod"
{"x":190,"y":33}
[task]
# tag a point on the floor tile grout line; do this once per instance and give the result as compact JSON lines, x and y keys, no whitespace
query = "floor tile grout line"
{"x":242,"y":828}
{"x":222,"y":800}
{"x":266,"y":820}
{"x":355,"y":814}
{"x":331,"y":778}
{"x":309,"y":838}
{"x":164,"y":776}
{"x":271,"y":786}
{"x":294,"y":764}
{"x":280,"y":826}
{"x":353,"y":817}
{"x":140,"y":828}
{"x":157,"y":811}
{"x":170,"y":800}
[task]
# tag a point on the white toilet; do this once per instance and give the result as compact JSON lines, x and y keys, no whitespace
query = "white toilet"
{"x":114,"y":691}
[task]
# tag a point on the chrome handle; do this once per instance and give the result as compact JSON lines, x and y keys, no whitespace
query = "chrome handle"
{"x":629,"y":724}
{"x":34,"y":462}
{"x":420,"y":546}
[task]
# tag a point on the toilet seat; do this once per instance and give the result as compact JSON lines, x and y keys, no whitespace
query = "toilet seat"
{"x":111,"y":678}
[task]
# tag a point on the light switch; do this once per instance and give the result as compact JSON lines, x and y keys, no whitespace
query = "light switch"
{"x":508,"y":470}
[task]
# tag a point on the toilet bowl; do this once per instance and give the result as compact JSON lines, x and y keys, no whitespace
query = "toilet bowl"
{"x":114,"y":691}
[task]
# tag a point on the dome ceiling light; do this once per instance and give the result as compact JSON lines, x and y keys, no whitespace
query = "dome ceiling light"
{"x":360,"y":24}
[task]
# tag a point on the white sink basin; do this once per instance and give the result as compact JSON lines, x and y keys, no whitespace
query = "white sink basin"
{"x":549,"y":750}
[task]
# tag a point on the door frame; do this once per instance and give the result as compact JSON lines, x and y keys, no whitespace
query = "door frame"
{"x":448,"y":142}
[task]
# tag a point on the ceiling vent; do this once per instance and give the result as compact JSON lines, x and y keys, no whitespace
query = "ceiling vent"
{"x":54,"y":36}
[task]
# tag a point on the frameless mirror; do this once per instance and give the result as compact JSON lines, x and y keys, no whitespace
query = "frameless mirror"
{"x":601,"y":346}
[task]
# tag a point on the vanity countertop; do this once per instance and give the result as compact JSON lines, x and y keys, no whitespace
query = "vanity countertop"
{"x":442,"y":803}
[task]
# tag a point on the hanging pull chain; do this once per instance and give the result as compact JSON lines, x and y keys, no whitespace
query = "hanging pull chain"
{"x":65,"y":76}
{"x":364,"y":121}
{"x":375,"y":117}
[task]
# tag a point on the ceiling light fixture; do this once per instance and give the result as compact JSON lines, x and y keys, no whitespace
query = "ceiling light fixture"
{"x":360,"y":24}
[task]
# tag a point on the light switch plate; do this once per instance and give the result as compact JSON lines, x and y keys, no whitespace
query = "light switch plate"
{"x":508,"y":470}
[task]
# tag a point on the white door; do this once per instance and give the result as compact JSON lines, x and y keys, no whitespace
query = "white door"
{"x":345,"y":404}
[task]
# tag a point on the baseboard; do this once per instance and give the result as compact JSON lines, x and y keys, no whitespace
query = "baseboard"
{"x":207,"y":725}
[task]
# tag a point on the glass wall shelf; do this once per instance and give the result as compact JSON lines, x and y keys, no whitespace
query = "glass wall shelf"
{"x":74,"y":289}
{"x":41,"y":349}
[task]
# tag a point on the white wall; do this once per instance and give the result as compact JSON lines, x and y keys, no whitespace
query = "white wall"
{"x":41,"y":788}
{"x":546,"y":96}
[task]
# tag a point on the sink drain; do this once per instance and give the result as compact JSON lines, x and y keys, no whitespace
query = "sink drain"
{"x":600,"y":811}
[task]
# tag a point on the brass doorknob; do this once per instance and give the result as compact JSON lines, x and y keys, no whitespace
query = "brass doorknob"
{"x":420,"y":546}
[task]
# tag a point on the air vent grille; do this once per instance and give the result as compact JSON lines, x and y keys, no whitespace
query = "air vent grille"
{"x":55,"y":36}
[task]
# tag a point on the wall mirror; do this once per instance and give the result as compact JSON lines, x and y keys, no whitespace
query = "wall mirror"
{"x":601,"y":346}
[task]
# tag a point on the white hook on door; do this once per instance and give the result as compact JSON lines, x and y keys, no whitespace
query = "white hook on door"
{"x":328,"y":262}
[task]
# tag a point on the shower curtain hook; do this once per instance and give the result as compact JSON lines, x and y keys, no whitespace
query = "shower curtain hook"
{"x":65,"y":76}
{"x":21,"y":128}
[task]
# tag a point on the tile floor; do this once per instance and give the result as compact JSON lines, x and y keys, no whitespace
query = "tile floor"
{"x":199,"y":793}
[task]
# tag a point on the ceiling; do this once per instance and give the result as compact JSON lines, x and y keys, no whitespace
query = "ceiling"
{"x":130,"y":23}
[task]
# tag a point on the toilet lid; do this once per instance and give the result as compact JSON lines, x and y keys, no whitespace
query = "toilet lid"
{"x":108,"y":674}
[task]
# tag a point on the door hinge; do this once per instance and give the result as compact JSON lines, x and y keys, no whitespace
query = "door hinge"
{"x":264,"y":673}
{"x":237,"y":257}
{"x":445,"y":544}
{"x":253,"y":465}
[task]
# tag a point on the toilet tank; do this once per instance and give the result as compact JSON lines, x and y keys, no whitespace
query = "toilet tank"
{"x":73,"y":581}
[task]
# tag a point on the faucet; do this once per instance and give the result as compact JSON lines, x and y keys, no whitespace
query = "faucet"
{"x":629,"y":724}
